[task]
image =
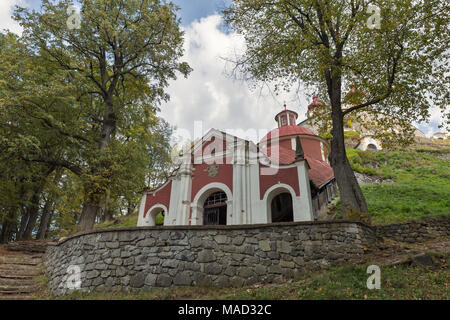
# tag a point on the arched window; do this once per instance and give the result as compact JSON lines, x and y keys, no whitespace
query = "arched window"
{"x":215,"y":209}
{"x":281,"y":207}
{"x":372,"y":147}
{"x":155,"y":216}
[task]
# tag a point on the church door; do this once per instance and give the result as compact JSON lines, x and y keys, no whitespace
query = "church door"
{"x":282,"y":208}
{"x":215,"y":209}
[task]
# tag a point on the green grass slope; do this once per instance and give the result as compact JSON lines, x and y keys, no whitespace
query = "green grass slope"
{"x":421,"y":186}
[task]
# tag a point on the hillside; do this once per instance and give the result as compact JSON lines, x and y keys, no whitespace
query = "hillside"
{"x":415,"y":183}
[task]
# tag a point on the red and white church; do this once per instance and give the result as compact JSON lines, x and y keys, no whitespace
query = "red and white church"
{"x":225,"y":180}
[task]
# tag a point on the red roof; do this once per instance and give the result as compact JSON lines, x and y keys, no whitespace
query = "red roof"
{"x":320,"y":172}
{"x":287,"y":131}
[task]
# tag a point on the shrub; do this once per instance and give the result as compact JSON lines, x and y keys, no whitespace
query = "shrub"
{"x":353,"y":156}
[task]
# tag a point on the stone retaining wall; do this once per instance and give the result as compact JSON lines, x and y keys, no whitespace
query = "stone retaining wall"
{"x":416,"y":231}
{"x":143,"y":258}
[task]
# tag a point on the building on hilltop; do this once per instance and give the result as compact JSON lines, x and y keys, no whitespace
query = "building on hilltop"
{"x":226,"y":180}
{"x":360,"y":132}
{"x":440,"y":136}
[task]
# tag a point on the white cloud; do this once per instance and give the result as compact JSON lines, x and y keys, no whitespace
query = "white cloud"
{"x":6,"y":11}
{"x":211,"y":96}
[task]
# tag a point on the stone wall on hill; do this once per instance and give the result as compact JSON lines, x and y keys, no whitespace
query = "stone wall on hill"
{"x":144,"y":258}
{"x":416,"y":231}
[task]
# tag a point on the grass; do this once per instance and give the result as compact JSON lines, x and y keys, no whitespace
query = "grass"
{"x":352,"y":135}
{"x":421,"y":188}
{"x":126,"y":221}
{"x":349,"y":282}
{"x":120,"y":222}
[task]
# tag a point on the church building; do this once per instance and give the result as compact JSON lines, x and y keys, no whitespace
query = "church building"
{"x":225,"y":180}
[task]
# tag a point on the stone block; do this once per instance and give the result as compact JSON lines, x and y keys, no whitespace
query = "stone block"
{"x":138,"y":280}
{"x":206,"y":256}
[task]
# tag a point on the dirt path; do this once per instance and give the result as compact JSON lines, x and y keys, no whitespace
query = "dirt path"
{"x":20,"y":269}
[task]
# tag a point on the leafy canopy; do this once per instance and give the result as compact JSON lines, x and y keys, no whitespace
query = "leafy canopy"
{"x":400,"y":65}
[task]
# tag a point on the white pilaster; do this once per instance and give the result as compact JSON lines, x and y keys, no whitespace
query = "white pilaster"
{"x":303,"y":208}
{"x":141,"y":210}
{"x":185,"y":191}
{"x":174,"y":208}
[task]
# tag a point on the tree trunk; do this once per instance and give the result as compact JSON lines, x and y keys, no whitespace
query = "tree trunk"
{"x":32,"y":215}
{"x":107,"y":212}
{"x":23,"y":224}
{"x":47,"y":212}
{"x":4,"y":232}
{"x":7,"y":227}
{"x":49,"y":223}
{"x":353,"y":202}
{"x":45,"y":219}
{"x":109,"y":215}
{"x":352,"y":198}
{"x":88,"y":215}
{"x":130,"y":208}
{"x":92,"y":208}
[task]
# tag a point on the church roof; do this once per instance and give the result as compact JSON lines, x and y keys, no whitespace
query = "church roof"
{"x":320,"y":172}
{"x":286,"y":111}
{"x":287,"y":131}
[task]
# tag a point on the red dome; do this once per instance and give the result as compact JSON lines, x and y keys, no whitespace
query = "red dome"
{"x":287,"y":131}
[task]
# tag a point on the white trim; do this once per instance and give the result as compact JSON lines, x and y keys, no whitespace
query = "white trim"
{"x":142,"y":209}
{"x":202,"y":195}
{"x":365,"y":141}
{"x":207,"y":138}
{"x":153,"y":192}
{"x":274,"y":191}
{"x":322,"y":151}
{"x":303,"y":206}
{"x":150,"y":220}
{"x":279,"y":186}
{"x":213,"y":185}
{"x":171,"y":218}
{"x":287,"y":137}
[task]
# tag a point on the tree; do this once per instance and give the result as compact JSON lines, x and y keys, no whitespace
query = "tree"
{"x":43,"y":127}
{"x":120,"y":60}
{"x":395,"y":51}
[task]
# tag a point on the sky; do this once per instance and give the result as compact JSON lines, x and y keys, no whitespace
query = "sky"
{"x":209,"y":95}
